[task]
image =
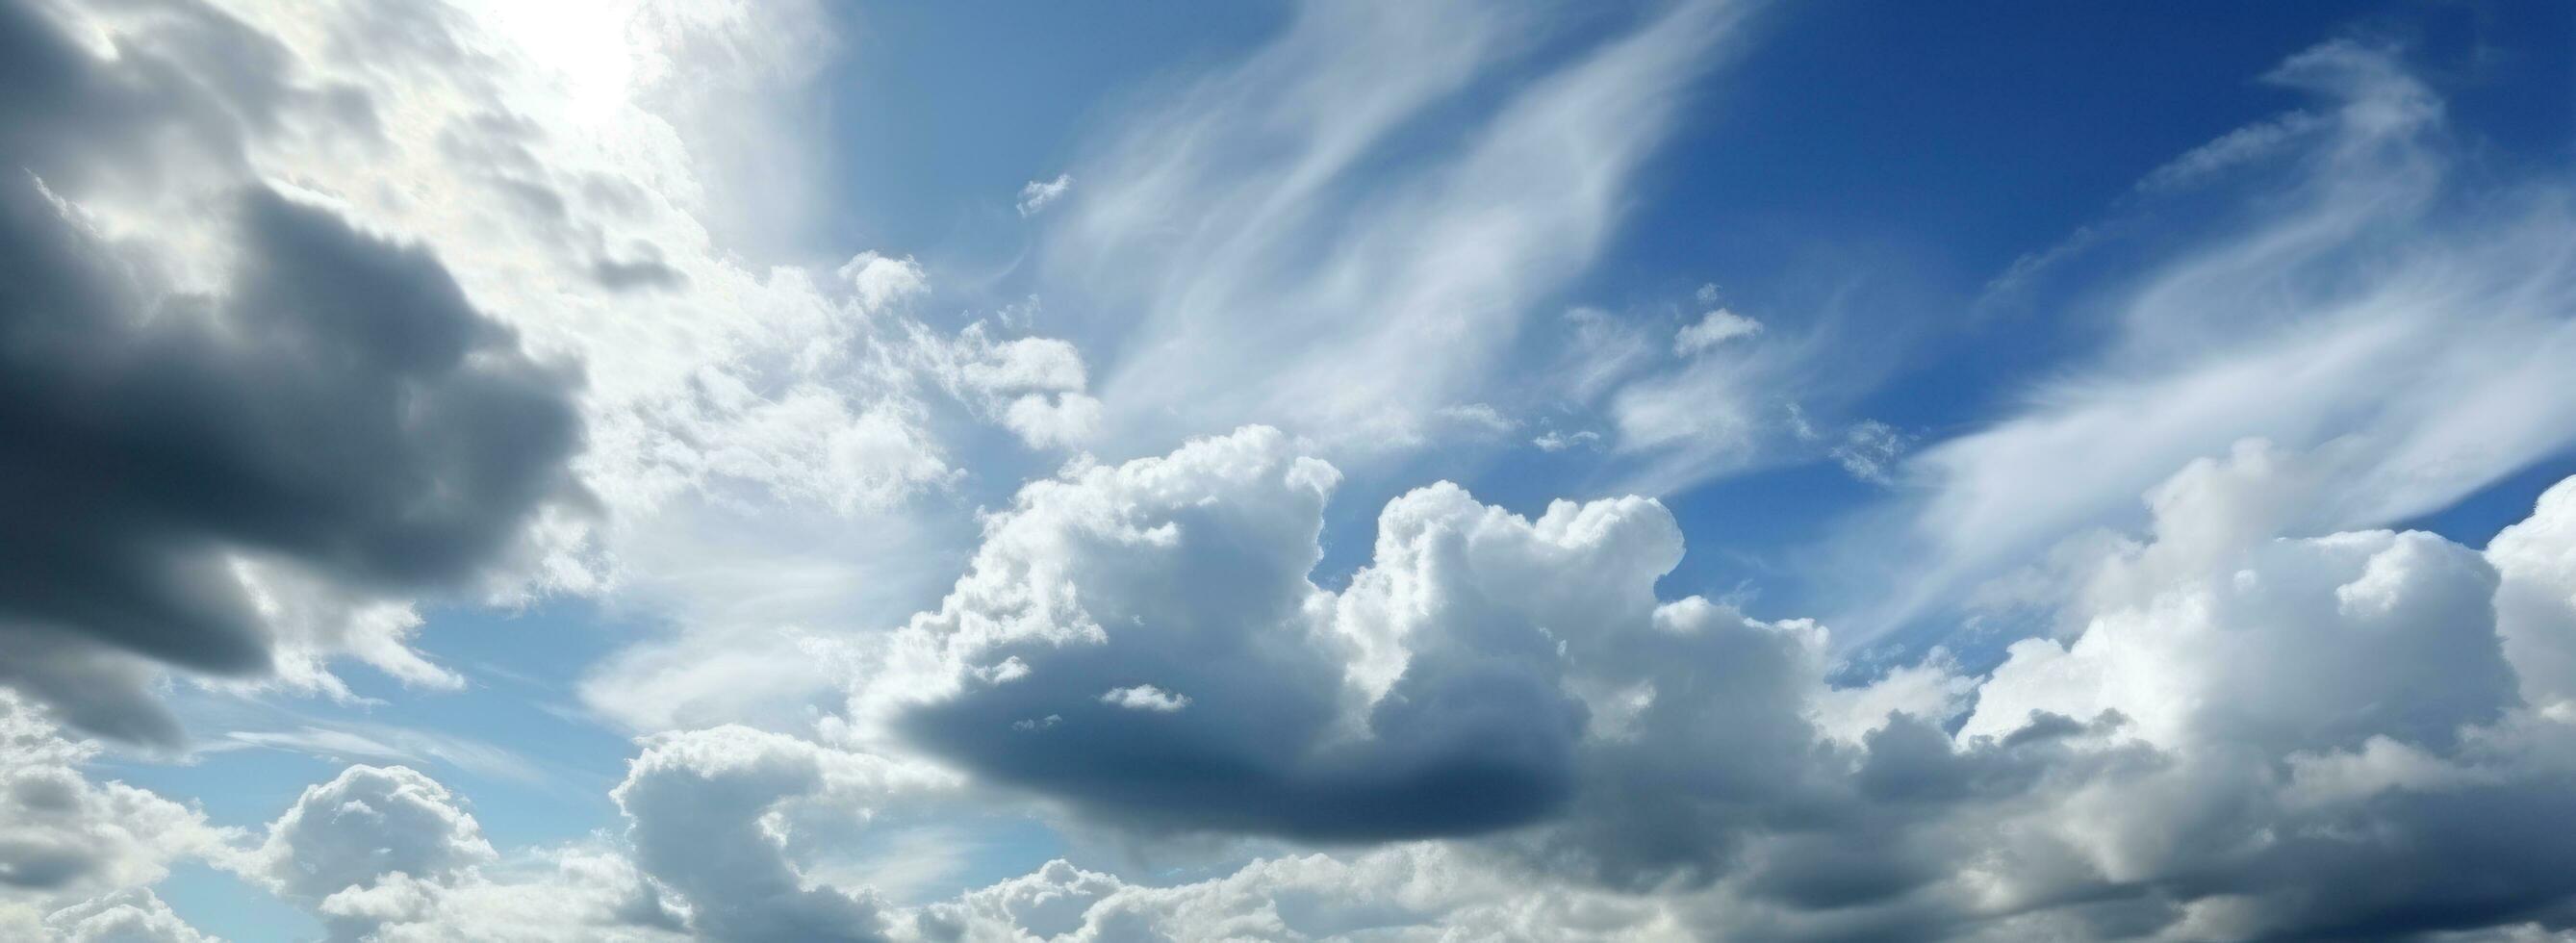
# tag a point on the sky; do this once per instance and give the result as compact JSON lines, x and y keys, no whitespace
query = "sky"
{"x":785,"y":470}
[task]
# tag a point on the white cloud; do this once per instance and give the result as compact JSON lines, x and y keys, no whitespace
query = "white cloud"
{"x":1403,"y":892}
{"x":1933,"y":689}
{"x":374,"y":845}
{"x":1038,"y":194}
{"x":2403,"y":319}
{"x":2328,"y":705}
{"x":1723,"y":397}
{"x":1529,"y":654}
{"x":2250,"y":724}
{"x":1476,"y":418}
{"x":1716,"y":327}
{"x":65,"y":838}
{"x":2536,"y":603}
{"x":2239,"y":728}
{"x":571,"y":894}
{"x":1868,"y":450}
{"x":131,"y":916}
{"x":2188,"y":637}
{"x":356,"y":741}
{"x":710,"y":816}
{"x":1145,"y":697}
{"x":1556,"y":441}
{"x":1294,"y":291}
{"x":1032,"y":385}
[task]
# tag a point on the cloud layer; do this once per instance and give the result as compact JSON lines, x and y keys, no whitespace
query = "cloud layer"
{"x":2146,"y":774}
{"x":315,"y":318}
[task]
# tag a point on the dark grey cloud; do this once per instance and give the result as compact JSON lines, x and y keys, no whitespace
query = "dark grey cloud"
{"x":335,"y":404}
{"x":183,"y":94}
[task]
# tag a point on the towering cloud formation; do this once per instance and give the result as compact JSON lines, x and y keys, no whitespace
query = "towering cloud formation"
{"x":2536,"y":605}
{"x":2234,"y":723}
{"x":1144,"y":640}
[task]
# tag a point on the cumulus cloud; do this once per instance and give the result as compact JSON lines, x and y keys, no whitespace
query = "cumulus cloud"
{"x":2246,"y":719}
{"x":567,"y":894}
{"x":2234,"y":729}
{"x":373,"y":845}
{"x":65,"y":838}
{"x":130,"y":916}
{"x":2234,"y":723}
{"x":1187,"y":574}
{"x":1483,"y":671}
{"x":1415,"y":891}
{"x":710,"y":816}
{"x":2535,"y":562}
{"x":2281,"y":721}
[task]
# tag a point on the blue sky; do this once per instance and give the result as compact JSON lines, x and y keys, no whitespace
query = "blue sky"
{"x":651,"y":470}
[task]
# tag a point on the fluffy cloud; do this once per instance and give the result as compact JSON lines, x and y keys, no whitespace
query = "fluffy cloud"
{"x":711,"y":817}
{"x":571,"y":895}
{"x":65,"y":838}
{"x":1406,"y":892}
{"x":387,"y":854}
{"x":2233,"y":724}
{"x":2233,"y":731}
{"x":373,"y":845}
{"x":2244,"y":724}
{"x":132,"y":916}
{"x":2536,"y":601}
{"x":1182,"y":582}
{"x":1483,"y":671}
{"x":2280,"y":736}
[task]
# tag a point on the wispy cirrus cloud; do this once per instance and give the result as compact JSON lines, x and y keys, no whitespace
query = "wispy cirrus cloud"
{"x":2405,"y":317}
{"x":1294,"y":253}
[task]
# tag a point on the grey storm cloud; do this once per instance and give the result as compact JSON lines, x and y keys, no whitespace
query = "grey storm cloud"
{"x":336,"y":404}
